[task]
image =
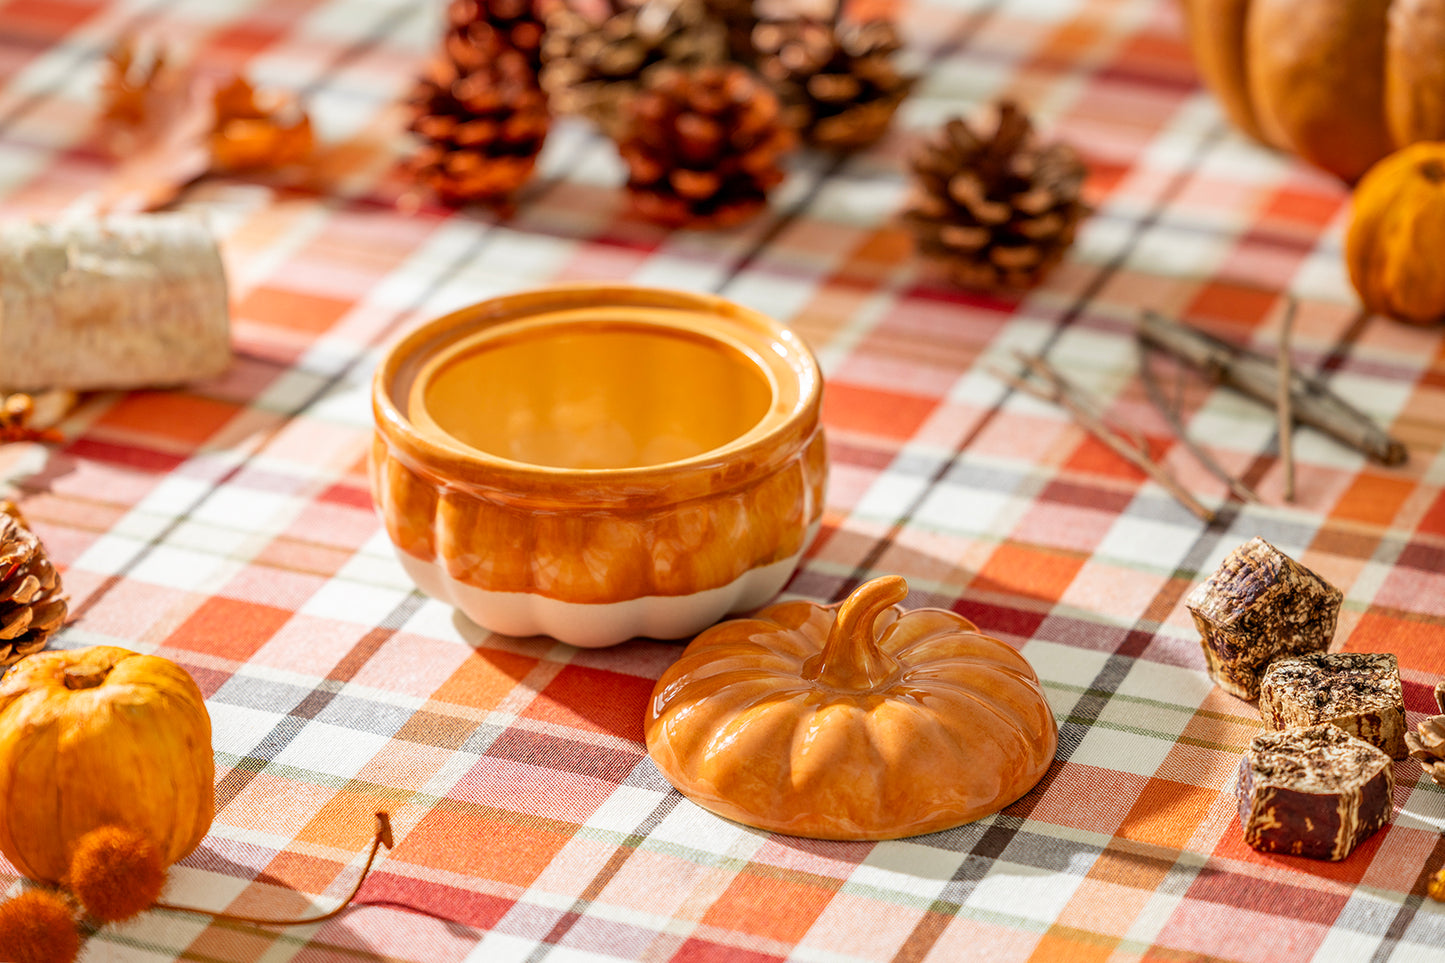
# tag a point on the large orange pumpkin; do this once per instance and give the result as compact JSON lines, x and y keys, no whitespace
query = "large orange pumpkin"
{"x":101,"y":737}
{"x":852,"y":722}
{"x":1341,"y":83}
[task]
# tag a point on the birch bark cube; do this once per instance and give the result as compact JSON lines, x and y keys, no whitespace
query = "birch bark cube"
{"x":1260,"y":604}
{"x":1313,"y":791}
{"x":115,"y":302}
{"x":1357,"y":691}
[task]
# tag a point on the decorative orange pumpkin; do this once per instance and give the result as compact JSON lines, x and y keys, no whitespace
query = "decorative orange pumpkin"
{"x":856,"y":721}
{"x":1397,"y":230}
{"x":99,"y":737}
{"x":1341,"y":83}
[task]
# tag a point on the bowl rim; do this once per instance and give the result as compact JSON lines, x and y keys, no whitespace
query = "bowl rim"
{"x":763,"y":447}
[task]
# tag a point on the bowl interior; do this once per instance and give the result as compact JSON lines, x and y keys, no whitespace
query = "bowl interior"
{"x":599,"y":395}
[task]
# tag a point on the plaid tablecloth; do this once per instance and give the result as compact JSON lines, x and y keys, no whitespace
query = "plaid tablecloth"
{"x":228,"y":526}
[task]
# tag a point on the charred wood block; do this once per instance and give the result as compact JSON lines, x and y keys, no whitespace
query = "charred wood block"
{"x":1260,"y":604}
{"x":1313,"y":791}
{"x":1357,"y":691}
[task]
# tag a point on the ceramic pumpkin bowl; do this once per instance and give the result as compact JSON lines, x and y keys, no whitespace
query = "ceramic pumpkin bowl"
{"x":858,"y":721}
{"x":598,"y":462}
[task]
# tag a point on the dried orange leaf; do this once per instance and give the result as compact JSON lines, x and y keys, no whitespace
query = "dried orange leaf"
{"x":250,"y":143}
{"x":171,"y":126}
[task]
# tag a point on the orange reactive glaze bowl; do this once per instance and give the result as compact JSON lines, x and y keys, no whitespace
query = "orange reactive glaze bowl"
{"x":598,"y":462}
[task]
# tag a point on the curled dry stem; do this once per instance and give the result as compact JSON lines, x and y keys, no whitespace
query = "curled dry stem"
{"x":382,"y":837}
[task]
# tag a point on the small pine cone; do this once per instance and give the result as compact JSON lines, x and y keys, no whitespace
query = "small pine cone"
{"x":482,"y":129}
{"x":997,"y":211}
{"x":837,"y":82}
{"x":32,"y":605}
{"x":592,"y":67}
{"x":703,"y":147}
{"x":1427,"y":743}
{"x":472,"y":25}
{"x":738,"y":19}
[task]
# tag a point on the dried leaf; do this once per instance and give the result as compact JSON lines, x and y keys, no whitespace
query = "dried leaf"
{"x":171,"y":125}
{"x":257,"y":130}
{"x":29,"y":418}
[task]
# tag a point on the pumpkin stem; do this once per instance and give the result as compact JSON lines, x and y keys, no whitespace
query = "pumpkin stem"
{"x":382,"y":837}
{"x":85,"y":677}
{"x":851,"y":658}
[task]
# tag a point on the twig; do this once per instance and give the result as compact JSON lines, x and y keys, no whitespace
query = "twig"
{"x":1171,"y":414}
{"x":381,"y":838}
{"x":1064,"y":394}
{"x":1283,"y":400}
{"x":1257,"y":376}
{"x":1081,"y":397}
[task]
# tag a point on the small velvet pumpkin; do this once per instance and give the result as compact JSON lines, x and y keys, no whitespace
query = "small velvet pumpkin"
{"x":101,"y":737}
{"x":857,"y":721}
{"x":1397,"y":231}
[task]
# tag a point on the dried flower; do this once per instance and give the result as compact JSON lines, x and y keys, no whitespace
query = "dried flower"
{"x":38,"y":926}
{"x":116,"y":873}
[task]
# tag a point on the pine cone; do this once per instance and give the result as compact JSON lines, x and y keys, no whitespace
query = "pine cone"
{"x":471,"y":25}
{"x":1427,"y":744}
{"x":703,"y":147}
{"x":837,"y":82}
{"x":998,"y":211}
{"x":738,"y":19}
{"x":483,"y":125}
{"x":592,"y":67}
{"x":31,"y":604}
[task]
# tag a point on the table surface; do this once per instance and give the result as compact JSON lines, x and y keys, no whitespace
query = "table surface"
{"x":229,"y":527}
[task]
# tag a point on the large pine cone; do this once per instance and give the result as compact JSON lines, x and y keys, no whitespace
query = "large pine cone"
{"x":473,"y":24}
{"x":838,"y":83}
{"x":1427,"y":743}
{"x":592,"y":67}
{"x":998,"y":211}
{"x":32,"y":606}
{"x":483,"y":126}
{"x":703,"y":147}
{"x":738,"y":19}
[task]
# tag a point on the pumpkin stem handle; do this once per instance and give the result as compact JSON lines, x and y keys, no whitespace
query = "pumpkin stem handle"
{"x":851,"y":658}
{"x":382,"y":837}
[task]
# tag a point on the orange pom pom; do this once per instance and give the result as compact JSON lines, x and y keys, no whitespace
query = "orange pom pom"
{"x":115,"y":873}
{"x":38,"y":926}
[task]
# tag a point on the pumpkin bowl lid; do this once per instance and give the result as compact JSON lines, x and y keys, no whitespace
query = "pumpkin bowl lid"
{"x":853,"y":721}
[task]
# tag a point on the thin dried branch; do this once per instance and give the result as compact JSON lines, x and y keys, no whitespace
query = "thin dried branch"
{"x":1283,"y":401}
{"x":1081,"y":398}
{"x":1062,"y":392}
{"x":1170,"y":412}
{"x":1312,"y":402}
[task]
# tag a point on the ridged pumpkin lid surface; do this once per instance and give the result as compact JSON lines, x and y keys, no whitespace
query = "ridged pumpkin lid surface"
{"x":857,"y":721}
